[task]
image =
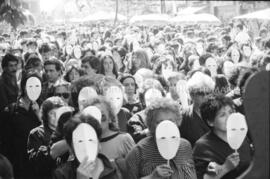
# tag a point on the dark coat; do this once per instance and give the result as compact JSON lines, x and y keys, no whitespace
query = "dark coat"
{"x":40,"y":160}
{"x":8,"y":90}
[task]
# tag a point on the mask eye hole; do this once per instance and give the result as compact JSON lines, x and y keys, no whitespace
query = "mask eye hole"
{"x":242,"y":129}
{"x":80,"y":141}
{"x":173,"y":137}
{"x":233,"y":129}
{"x":90,"y":140}
{"x":163,"y":138}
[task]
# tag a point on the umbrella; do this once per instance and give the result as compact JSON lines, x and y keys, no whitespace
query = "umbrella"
{"x":150,"y":19}
{"x":104,"y":16}
{"x":260,"y":15}
{"x":196,"y":18}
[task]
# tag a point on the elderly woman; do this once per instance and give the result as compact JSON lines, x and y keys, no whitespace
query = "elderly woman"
{"x":145,"y":161}
{"x":193,"y":127}
{"x":212,"y":154}
{"x":137,"y":123}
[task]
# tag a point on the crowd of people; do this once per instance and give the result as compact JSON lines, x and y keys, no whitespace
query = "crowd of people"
{"x":133,"y":78}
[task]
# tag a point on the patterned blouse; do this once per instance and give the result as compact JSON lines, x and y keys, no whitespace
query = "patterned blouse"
{"x":144,"y":158}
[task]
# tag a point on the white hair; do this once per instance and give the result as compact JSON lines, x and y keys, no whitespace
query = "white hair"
{"x":200,"y":82}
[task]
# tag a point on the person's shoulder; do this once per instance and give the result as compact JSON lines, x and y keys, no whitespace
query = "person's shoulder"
{"x":203,"y":141}
{"x":64,"y":171}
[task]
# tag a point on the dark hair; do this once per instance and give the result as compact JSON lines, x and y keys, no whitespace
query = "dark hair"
{"x":47,"y":106}
{"x":226,"y":37}
{"x":32,"y":61}
{"x":55,"y":62}
{"x":92,"y":61}
{"x":102,"y":70}
{"x":240,"y":26}
{"x":84,"y":52}
{"x":44,"y":48}
{"x":221,"y":84}
{"x":266,"y":43}
{"x":213,"y":104}
{"x":6,"y":170}
{"x":73,"y":123}
{"x":32,"y":42}
{"x":80,"y":71}
{"x":8,"y":58}
{"x":203,"y":58}
{"x":126,"y":76}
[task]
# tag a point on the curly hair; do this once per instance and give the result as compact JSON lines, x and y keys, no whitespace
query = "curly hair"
{"x":48,"y":105}
{"x":162,"y":105}
{"x":213,"y":104}
{"x":113,"y":123}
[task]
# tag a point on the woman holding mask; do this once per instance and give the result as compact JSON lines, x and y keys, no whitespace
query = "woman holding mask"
{"x":39,"y":139}
{"x":213,"y":156}
{"x":144,"y":160}
{"x":25,"y":117}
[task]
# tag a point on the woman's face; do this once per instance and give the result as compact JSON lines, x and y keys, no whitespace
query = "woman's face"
{"x":73,"y":75}
{"x":235,"y":56}
{"x":211,"y":65}
{"x":220,"y":121}
{"x":129,"y":85}
{"x":108,"y":64}
{"x":161,"y":116}
{"x":63,"y":93}
{"x":136,"y":61}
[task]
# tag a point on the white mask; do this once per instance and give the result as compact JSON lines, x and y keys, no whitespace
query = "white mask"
{"x":33,"y":88}
{"x":228,"y":68}
{"x":69,"y":49}
{"x":77,"y":52}
{"x":93,"y":111}
{"x":167,"y":139}
{"x":236,"y":130}
{"x":151,"y":95}
{"x":86,"y":94}
{"x":115,"y":95}
{"x":85,"y":142}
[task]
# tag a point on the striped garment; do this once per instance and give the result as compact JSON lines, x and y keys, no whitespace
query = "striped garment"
{"x":144,"y":158}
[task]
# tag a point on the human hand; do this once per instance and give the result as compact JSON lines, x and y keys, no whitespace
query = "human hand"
{"x":162,"y":171}
{"x":85,"y":169}
{"x":231,"y":162}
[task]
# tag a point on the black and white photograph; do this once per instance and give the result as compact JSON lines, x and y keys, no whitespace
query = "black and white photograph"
{"x":134,"y":89}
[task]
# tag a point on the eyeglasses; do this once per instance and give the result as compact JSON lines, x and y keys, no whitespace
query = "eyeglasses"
{"x":64,"y":95}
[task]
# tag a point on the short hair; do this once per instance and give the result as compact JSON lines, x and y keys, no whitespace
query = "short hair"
{"x":32,"y":61}
{"x":8,"y":58}
{"x":162,"y":104}
{"x":244,"y":77}
{"x":55,"y":62}
{"x":79,"y":70}
{"x":93,"y":61}
{"x":104,"y":83}
{"x":113,"y":123}
{"x":47,"y":106}
{"x":44,"y":48}
{"x":240,"y":26}
{"x":200,"y":83}
{"x":203,"y":58}
{"x":73,"y":123}
{"x":221,"y":84}
{"x":213,"y":104}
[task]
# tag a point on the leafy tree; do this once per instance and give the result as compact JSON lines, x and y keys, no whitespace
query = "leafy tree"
{"x":11,"y":12}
